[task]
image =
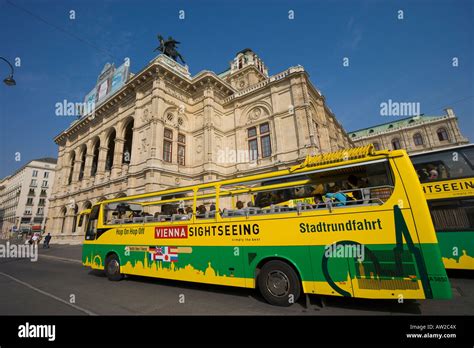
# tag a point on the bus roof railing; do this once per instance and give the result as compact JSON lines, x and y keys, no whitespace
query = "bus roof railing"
{"x":355,"y":153}
{"x":335,"y":157}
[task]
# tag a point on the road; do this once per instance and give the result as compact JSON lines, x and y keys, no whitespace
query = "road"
{"x":58,"y":284}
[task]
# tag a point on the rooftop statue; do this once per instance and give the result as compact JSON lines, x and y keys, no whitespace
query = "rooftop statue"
{"x":168,"y":48}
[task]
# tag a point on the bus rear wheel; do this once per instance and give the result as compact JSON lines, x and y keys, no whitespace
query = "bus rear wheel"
{"x":112,"y":268}
{"x":279,"y":284}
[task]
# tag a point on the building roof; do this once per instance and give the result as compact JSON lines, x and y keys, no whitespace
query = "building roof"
{"x":393,"y":125}
{"x":50,"y":160}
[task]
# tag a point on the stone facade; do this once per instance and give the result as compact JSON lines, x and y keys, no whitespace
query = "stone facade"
{"x":24,"y":196}
{"x":166,"y":128}
{"x":414,"y":134}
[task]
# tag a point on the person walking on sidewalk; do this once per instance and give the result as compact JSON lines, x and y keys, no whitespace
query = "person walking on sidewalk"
{"x":46,"y":241}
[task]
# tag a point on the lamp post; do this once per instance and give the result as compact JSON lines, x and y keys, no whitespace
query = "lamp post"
{"x":9,"y":81}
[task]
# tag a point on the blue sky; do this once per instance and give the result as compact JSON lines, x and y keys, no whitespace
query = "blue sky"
{"x":407,"y":60}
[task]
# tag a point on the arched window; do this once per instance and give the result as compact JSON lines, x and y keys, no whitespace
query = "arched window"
{"x":95,"y":158}
{"x":63,"y":218}
{"x":74,"y":220}
{"x":442,"y":134}
{"x":83,"y":162}
{"x":73,"y":159}
{"x":127,"y":146}
{"x":376,"y":145}
{"x":396,"y":144}
{"x":418,"y":139}
{"x":109,"y":161}
{"x":168,"y":145}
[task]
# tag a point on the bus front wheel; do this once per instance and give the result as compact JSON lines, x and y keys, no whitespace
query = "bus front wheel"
{"x":112,"y":268}
{"x":279,"y":284}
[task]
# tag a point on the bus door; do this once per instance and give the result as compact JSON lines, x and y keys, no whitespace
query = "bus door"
{"x":88,"y":249}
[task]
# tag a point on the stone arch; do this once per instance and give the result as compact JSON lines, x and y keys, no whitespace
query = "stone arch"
{"x":82,"y":157}
{"x":110,"y":136}
{"x":127,"y":129}
{"x":86,"y":205}
{"x":75,"y":213}
{"x":101,"y":198}
{"x":95,"y":155}
{"x":255,"y":111}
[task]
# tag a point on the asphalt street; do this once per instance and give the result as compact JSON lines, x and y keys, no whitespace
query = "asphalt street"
{"x":58,"y":284}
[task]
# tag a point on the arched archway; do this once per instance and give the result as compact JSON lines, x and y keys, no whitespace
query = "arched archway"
{"x":109,"y":161}
{"x":62,"y":216}
{"x":95,"y":158}
{"x":75,"y":211}
{"x":86,"y":205}
{"x":72,"y":157}
{"x":128,"y":142}
{"x":83,"y":161}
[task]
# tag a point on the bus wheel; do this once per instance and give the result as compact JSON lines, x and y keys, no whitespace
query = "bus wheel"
{"x":112,"y":268}
{"x":279,"y":283}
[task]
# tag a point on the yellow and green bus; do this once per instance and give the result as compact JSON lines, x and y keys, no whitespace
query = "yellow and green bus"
{"x":378,"y":243}
{"x":447,"y":178}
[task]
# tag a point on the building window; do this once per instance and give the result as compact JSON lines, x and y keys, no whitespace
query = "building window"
{"x":29,"y":201}
{"x":376,"y":145}
{"x":46,"y":175}
{"x":31,"y":192}
{"x":33,"y":183}
{"x":265,"y":142}
{"x":42,"y":202}
{"x":256,"y":135}
{"x":43,"y":193}
{"x":181,"y":149}
{"x":27,"y":212}
{"x":418,"y":139}
{"x":168,"y":145}
{"x":40,"y":211}
{"x":442,"y":134}
{"x":45,"y":183}
{"x":253,"y":143}
{"x":396,"y":144}
{"x":35,"y":173}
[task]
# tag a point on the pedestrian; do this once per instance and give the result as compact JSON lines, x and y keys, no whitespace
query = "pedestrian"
{"x":46,"y":241}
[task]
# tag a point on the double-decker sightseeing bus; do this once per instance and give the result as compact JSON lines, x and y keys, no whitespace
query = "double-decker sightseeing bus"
{"x":351,"y":223}
{"x":447,"y":178}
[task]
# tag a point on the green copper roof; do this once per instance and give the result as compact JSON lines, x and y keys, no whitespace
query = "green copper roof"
{"x":393,"y":125}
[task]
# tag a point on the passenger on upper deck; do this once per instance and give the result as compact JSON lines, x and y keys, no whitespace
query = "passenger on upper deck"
{"x":337,"y":196}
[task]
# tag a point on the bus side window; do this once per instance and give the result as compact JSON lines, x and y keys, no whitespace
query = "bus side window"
{"x":92,"y":223}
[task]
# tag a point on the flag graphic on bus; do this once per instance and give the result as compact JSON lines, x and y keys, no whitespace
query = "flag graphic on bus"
{"x":166,"y":254}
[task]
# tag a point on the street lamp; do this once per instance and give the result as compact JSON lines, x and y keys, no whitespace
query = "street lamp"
{"x":9,"y":81}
